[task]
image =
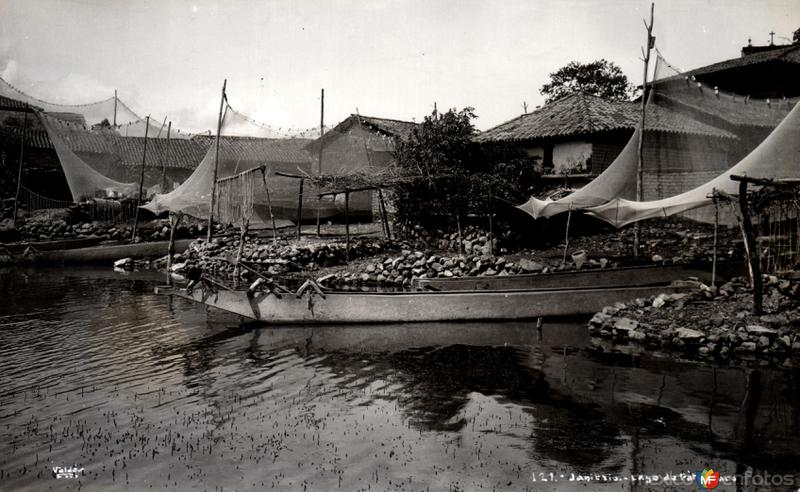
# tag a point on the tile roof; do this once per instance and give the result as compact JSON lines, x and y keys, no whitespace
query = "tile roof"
{"x":279,"y":150}
{"x":788,"y":54}
{"x":580,"y":114}
{"x":394,"y":128}
{"x":183,"y":153}
{"x":726,"y":108}
{"x":8,"y":103}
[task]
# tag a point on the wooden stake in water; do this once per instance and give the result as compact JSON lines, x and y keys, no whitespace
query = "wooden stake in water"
{"x":174,"y":218}
{"x":141,"y":182}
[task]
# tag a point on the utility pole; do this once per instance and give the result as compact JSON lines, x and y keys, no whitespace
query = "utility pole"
{"x":216,"y":164}
{"x":141,"y":182}
{"x":640,"y":165}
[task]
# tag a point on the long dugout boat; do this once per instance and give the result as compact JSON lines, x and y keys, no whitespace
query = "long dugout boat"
{"x":313,"y":306}
{"x":634,"y":276}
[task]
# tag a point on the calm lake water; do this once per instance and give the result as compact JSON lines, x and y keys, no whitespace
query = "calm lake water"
{"x":148,"y":392}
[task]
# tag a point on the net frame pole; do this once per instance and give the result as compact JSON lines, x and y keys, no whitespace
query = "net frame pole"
{"x":639,"y":163}
{"x":19,"y":171}
{"x":141,"y":183}
{"x":566,"y":236}
{"x":115,"y":108}
{"x":216,"y":165}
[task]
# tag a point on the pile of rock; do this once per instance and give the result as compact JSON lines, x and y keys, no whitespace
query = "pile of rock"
{"x":474,"y":241}
{"x":709,"y":322}
{"x":48,"y":230}
{"x":403,"y":269}
{"x":281,"y":258}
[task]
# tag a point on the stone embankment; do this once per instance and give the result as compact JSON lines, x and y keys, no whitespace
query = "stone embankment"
{"x":710,"y":322}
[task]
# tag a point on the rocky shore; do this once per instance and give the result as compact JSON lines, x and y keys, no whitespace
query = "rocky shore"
{"x":710,"y":323}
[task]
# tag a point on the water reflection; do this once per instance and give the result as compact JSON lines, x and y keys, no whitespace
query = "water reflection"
{"x":145,"y":390}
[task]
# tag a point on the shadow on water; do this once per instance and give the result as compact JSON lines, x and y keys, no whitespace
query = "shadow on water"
{"x":201,"y":396}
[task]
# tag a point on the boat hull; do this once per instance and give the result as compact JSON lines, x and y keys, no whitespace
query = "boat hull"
{"x":407,"y":307}
{"x":636,"y":276}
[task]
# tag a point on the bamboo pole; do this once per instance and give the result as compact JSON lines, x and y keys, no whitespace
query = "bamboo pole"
{"x":115,"y":108}
{"x":19,"y":171}
{"x":141,"y":182}
{"x":216,"y":164}
{"x":347,"y":225}
{"x":639,"y":164}
{"x":269,"y":207}
{"x":300,"y":207}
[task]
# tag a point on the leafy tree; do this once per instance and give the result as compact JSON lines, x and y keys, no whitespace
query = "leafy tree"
{"x":441,"y":155}
{"x":600,"y":78}
{"x":796,"y":37}
{"x":453,"y":175}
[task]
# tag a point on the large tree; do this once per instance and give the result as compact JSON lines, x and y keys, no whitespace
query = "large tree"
{"x":600,"y":78}
{"x":796,"y":37}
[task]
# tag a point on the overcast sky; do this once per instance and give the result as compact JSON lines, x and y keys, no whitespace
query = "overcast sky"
{"x":388,"y":58}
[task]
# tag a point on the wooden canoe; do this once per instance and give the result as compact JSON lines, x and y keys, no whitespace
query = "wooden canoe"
{"x":393,"y":307}
{"x":634,"y":276}
{"x":106,"y":254}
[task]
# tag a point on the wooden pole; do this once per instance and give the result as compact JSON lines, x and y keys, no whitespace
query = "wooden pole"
{"x":115,"y":108}
{"x":347,"y":226}
{"x":19,"y":171}
{"x":384,"y":215}
{"x":751,"y":248}
{"x":216,"y":165}
{"x":491,"y":224}
{"x":240,"y":251}
{"x":165,"y":162}
{"x":714,"y":253}
{"x":321,"y":146}
{"x":566,"y":236}
{"x":299,"y":207}
{"x":269,"y":207}
{"x":141,"y":182}
{"x":639,"y":164}
{"x":174,"y":218}
{"x":458,"y":227}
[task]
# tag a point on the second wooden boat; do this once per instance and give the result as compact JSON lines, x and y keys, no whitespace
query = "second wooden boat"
{"x":634,"y":276}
